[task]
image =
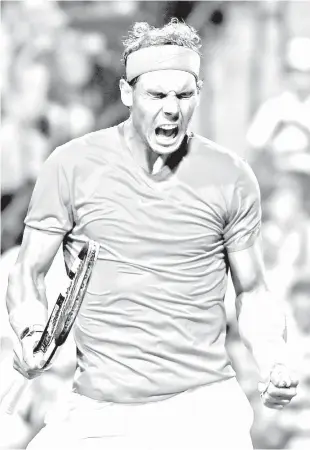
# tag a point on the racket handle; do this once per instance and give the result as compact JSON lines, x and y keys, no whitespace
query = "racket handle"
{"x":12,"y":400}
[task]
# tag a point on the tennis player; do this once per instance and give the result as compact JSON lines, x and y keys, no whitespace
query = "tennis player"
{"x":173,"y":212}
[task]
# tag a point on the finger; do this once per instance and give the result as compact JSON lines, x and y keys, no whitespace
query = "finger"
{"x":30,"y":360}
{"x":29,"y":342}
{"x":26,"y":372}
{"x":274,"y":391}
{"x":34,"y":374}
{"x":18,"y":364}
{"x":16,"y":357}
{"x":33,"y":360}
{"x":271,"y":406}
{"x":294,"y":380}
{"x":29,"y":366}
{"x":277,"y":400}
{"x":285,"y":402}
{"x":280,"y":376}
{"x":274,"y":403}
{"x":20,"y":369}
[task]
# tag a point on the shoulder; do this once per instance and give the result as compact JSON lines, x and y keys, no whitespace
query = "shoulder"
{"x":219,"y":162}
{"x":100,"y":145}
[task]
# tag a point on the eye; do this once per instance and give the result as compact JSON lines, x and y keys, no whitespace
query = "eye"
{"x":185,"y":95}
{"x":158,"y":95}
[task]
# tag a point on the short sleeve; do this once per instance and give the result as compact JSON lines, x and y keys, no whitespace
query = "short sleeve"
{"x":244,"y":211}
{"x":50,"y":207}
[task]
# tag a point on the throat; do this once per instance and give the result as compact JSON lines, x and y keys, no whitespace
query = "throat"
{"x":157,"y":165}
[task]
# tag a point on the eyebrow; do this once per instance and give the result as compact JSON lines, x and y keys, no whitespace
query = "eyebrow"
{"x":161,"y":91}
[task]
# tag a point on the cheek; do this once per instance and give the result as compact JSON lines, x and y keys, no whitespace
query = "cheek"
{"x":188,"y":108}
{"x":143,"y":114}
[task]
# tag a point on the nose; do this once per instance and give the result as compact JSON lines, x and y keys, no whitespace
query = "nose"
{"x":171,"y":106}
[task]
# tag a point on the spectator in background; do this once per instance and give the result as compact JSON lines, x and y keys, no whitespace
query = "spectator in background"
{"x":286,"y":232}
{"x":25,"y":144}
{"x":279,"y":135}
{"x":281,"y":127}
{"x":29,"y":35}
{"x":70,"y":114}
{"x":57,"y":83}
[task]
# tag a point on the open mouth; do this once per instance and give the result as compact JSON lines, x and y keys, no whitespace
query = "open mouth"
{"x":167,"y":131}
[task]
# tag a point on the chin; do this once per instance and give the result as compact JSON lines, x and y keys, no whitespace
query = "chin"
{"x":160,"y":150}
{"x":166,"y":149}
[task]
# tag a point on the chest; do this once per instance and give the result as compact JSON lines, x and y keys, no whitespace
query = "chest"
{"x":138,"y":214}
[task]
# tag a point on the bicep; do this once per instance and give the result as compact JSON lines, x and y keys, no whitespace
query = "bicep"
{"x":247,"y":268}
{"x":38,"y":250}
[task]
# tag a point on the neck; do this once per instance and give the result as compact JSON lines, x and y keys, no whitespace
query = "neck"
{"x":143,"y":154}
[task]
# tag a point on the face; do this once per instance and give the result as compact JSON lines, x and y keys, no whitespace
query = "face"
{"x":163,"y":104}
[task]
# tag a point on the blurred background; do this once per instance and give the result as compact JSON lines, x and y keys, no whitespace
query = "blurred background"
{"x":60,"y":70}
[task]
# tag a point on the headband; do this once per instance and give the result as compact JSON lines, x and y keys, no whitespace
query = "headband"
{"x":162,"y":57}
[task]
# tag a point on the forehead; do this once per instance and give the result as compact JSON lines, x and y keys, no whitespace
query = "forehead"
{"x":167,"y":80}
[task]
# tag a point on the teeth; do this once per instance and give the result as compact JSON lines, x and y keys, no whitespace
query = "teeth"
{"x":168,"y":127}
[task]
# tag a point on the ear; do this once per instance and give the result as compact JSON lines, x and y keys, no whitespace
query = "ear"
{"x":126,"y":92}
{"x":199,"y":87}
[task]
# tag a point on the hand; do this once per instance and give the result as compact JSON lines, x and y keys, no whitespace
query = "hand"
{"x":280,"y":389}
{"x":29,"y":364}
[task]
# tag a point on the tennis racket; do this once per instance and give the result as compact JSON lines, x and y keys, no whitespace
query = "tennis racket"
{"x":61,"y":319}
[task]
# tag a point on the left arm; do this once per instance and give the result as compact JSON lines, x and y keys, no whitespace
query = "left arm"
{"x":262,"y":325}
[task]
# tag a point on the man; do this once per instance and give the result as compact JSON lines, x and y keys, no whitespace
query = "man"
{"x":280,"y":129}
{"x":171,"y":211}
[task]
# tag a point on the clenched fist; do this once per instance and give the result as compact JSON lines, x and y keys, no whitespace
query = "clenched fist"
{"x":29,"y":364}
{"x":280,"y":389}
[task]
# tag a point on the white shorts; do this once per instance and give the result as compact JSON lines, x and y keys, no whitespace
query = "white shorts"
{"x":217,"y":416}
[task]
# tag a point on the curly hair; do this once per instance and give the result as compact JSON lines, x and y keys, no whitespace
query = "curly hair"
{"x":173,"y":33}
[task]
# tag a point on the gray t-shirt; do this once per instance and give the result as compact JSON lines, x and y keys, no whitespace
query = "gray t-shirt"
{"x":153,"y":320}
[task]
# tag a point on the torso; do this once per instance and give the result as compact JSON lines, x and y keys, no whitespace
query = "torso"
{"x":153,"y":320}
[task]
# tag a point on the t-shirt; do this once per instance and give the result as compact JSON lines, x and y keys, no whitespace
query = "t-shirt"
{"x":153,"y":322}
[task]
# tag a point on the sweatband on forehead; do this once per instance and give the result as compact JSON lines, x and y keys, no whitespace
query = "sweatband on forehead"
{"x":162,"y":57}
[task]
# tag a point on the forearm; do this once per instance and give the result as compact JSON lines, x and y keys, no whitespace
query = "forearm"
{"x":262,"y":328}
{"x":26,"y":299}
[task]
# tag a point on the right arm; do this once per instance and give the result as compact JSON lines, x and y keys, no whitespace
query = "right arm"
{"x":26,"y":299}
{"x":49,"y":218}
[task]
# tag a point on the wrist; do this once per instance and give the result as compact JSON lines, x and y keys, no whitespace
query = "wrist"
{"x":31,"y":330}
{"x":270,"y":355}
{"x":27,"y":316}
